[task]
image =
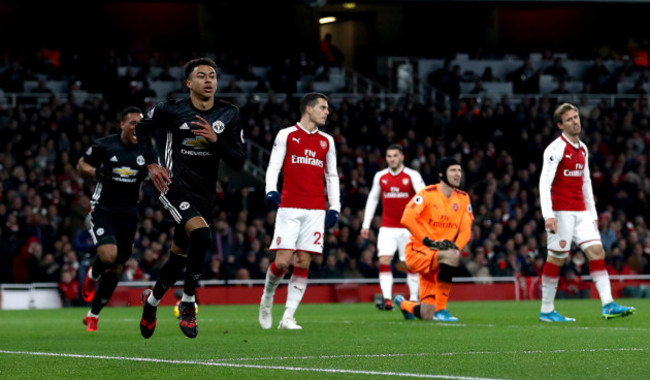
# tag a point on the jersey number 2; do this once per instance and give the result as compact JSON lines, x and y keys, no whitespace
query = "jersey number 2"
{"x":318,"y":236}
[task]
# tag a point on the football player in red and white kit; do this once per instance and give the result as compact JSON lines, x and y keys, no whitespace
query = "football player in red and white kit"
{"x":395,"y":185}
{"x":307,"y":158}
{"x":570,"y":216}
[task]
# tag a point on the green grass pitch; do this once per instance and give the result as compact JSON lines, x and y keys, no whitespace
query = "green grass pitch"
{"x":493,"y":340}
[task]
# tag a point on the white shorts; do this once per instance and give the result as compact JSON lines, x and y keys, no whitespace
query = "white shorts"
{"x":299,"y":230}
{"x":391,"y":239}
{"x":572,"y":226}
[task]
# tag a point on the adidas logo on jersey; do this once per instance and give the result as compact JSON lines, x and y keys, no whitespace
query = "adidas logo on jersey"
{"x":184,"y":126}
{"x":113,"y":159}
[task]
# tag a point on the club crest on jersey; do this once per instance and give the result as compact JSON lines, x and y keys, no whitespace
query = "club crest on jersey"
{"x":184,"y":205}
{"x":323,"y":144}
{"x":100,"y":231}
{"x":140,"y":160}
{"x":455,"y":206}
{"x":218,"y":126}
{"x":278,"y":240}
{"x":562,"y":243}
{"x":405,"y":181}
{"x":418,"y":199}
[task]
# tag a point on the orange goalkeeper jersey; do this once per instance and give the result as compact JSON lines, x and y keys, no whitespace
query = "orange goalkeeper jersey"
{"x":431,"y":214}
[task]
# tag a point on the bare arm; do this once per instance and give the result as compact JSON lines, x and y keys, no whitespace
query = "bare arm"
{"x":86,"y":170}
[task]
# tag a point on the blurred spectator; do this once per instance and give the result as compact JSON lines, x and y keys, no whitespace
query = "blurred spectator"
{"x":69,"y":289}
{"x":331,"y":269}
{"x":607,"y":234}
{"x":212,"y":270}
{"x":571,"y":285}
{"x":478,"y":266}
{"x":558,"y":71}
{"x":331,"y":55}
{"x":597,"y":77}
{"x":232,"y":86}
{"x":617,"y":265}
{"x":525,"y":79}
{"x":638,"y":260}
{"x":133,"y":272}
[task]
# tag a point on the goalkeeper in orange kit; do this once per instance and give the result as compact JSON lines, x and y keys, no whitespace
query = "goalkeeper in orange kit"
{"x":439,"y":218}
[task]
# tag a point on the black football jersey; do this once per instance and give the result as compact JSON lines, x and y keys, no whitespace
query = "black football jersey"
{"x":118,"y":191}
{"x":192,"y":161}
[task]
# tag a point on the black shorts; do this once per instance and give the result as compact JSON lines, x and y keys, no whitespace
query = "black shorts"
{"x":182,"y":206}
{"x":114,"y":228}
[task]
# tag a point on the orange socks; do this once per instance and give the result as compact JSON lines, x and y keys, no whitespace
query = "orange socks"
{"x":409,"y":306}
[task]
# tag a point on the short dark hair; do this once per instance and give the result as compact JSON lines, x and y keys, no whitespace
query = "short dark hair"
{"x":129,"y":110}
{"x":395,"y":147}
{"x":310,"y":100}
{"x":189,"y":66}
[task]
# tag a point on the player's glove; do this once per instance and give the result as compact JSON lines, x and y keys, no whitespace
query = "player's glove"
{"x":102,"y":172}
{"x":331,"y":219}
{"x":272,"y":199}
{"x":440,"y":245}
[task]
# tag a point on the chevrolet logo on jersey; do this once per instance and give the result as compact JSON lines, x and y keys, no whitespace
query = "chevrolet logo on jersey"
{"x":199,"y":144}
{"x":125,"y":171}
{"x":125,"y":174}
{"x":196,"y":142}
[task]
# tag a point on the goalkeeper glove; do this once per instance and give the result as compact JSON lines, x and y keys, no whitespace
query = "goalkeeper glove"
{"x":440,"y":245}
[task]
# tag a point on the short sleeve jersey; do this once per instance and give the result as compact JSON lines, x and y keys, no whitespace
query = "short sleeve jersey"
{"x":191,"y":160}
{"x":118,"y":191}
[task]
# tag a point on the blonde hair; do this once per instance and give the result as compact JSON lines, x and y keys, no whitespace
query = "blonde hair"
{"x":561,"y":110}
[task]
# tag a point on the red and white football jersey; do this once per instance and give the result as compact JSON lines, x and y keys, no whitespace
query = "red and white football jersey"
{"x":565,"y":183}
{"x":395,"y":190}
{"x":308,"y":162}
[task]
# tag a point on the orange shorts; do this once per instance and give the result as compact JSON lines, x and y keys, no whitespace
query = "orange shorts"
{"x":424,"y":261}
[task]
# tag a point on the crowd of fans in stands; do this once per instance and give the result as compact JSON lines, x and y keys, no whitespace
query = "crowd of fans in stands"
{"x":44,"y":202}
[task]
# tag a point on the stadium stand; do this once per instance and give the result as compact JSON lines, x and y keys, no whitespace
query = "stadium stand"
{"x":43,"y":202}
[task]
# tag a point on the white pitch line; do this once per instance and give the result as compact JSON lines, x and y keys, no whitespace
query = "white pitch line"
{"x":251,"y":366}
{"x":527,"y":352}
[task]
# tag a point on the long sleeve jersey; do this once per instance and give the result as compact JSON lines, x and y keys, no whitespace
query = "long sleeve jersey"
{"x":395,"y":190}
{"x":565,"y":183}
{"x":431,"y":214}
{"x":308,"y":163}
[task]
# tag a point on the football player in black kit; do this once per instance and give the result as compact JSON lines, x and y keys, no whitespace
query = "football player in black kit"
{"x":119,"y":168}
{"x":198,"y":133}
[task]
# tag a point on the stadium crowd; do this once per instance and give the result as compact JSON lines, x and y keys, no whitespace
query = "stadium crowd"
{"x":44,"y":202}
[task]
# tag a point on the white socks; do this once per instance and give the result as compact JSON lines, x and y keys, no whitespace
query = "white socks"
{"x":601,"y":280}
{"x":297,"y":287}
{"x":413,"y":282}
{"x":386,"y":284}
{"x":549,"y":288}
